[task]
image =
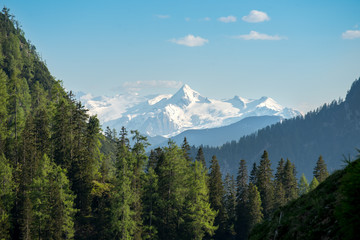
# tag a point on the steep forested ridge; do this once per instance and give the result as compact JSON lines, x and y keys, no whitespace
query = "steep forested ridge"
{"x":49,"y":147}
{"x":331,"y":131}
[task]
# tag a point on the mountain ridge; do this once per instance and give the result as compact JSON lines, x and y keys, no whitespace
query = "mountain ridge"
{"x":168,"y":115}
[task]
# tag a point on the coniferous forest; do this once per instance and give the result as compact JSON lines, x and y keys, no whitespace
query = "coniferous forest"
{"x":62,"y":178}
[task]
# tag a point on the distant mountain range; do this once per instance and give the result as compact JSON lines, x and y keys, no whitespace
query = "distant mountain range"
{"x":164,"y":116}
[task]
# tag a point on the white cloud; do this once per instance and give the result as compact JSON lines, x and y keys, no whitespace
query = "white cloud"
{"x":187,"y":19}
{"x":227,"y":19}
{"x":142,"y":85}
{"x":256,"y":16}
{"x":162,"y":16}
{"x":190,"y":41}
{"x":206,"y":19}
{"x":351,"y":34}
{"x":253,"y":35}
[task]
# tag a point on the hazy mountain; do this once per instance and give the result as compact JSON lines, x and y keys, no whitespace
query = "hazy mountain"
{"x":221,"y":135}
{"x":169,"y":115}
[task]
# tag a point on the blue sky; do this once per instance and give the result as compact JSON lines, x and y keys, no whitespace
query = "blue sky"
{"x":301,"y":53}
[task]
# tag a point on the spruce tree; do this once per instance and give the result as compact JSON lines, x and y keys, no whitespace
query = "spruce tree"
{"x":200,"y":157}
{"x":314,"y":183}
{"x":289,"y":181}
{"x":254,"y":206}
{"x":242,"y":215}
{"x":186,"y":148}
{"x":279,"y":192}
{"x":230,"y":204}
{"x":320,"y":170}
{"x":7,"y":196}
{"x":138,"y":150}
{"x":123,"y":197}
{"x":199,"y":217}
{"x":265,"y":184}
{"x":150,"y":198}
{"x":216,"y":197}
{"x":3,"y":110}
{"x":173,"y":186}
{"x":253,"y":174}
{"x":303,"y":185}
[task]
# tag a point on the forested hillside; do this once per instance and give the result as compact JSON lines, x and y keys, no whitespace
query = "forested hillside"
{"x":331,"y":131}
{"x":331,"y":211}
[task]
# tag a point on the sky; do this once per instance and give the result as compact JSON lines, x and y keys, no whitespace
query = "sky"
{"x":301,"y":53}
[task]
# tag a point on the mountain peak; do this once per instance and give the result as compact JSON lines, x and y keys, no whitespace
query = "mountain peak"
{"x":186,"y":94}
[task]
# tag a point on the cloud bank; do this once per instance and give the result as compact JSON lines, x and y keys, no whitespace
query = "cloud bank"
{"x":190,"y":41}
{"x":227,"y":19}
{"x":351,"y":34}
{"x":253,"y":35}
{"x":256,"y":16}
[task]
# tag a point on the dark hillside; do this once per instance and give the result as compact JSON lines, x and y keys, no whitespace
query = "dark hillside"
{"x":329,"y":212}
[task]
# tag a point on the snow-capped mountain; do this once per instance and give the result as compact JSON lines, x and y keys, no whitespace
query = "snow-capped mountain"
{"x":169,"y":115}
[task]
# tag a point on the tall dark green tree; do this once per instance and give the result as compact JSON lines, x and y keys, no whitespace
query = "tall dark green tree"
{"x":265,"y":184}
{"x":320,"y":170}
{"x":200,"y":157}
{"x":279,"y":191}
{"x":7,"y":196}
{"x":254,"y":206}
{"x":186,"y":148}
{"x":173,"y":181}
{"x":242,"y":215}
{"x":290,"y":181}
{"x":199,"y":217}
{"x":216,"y":197}
{"x":3,"y":110}
{"x":230,"y":205}
{"x":138,"y":150}
{"x":123,"y":223}
{"x":253,"y":174}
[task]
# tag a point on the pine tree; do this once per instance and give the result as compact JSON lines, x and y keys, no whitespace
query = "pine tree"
{"x":52,"y":203}
{"x":314,"y":183}
{"x":173,"y":181}
{"x":154,"y":158}
{"x":3,"y":110}
{"x":289,"y":181}
{"x":7,"y":196}
{"x":254,"y":206}
{"x":216,"y":193}
{"x":265,"y":184}
{"x":199,"y":217}
{"x":123,"y":223}
{"x":303,"y":185}
{"x":230,"y":204}
{"x":253,"y":174}
{"x":241,"y":226}
{"x":150,"y":197}
{"x":279,"y":192}
{"x":279,"y":175}
{"x":138,"y":150}
{"x":320,"y":170}
{"x":186,"y":148}
{"x":200,"y":157}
